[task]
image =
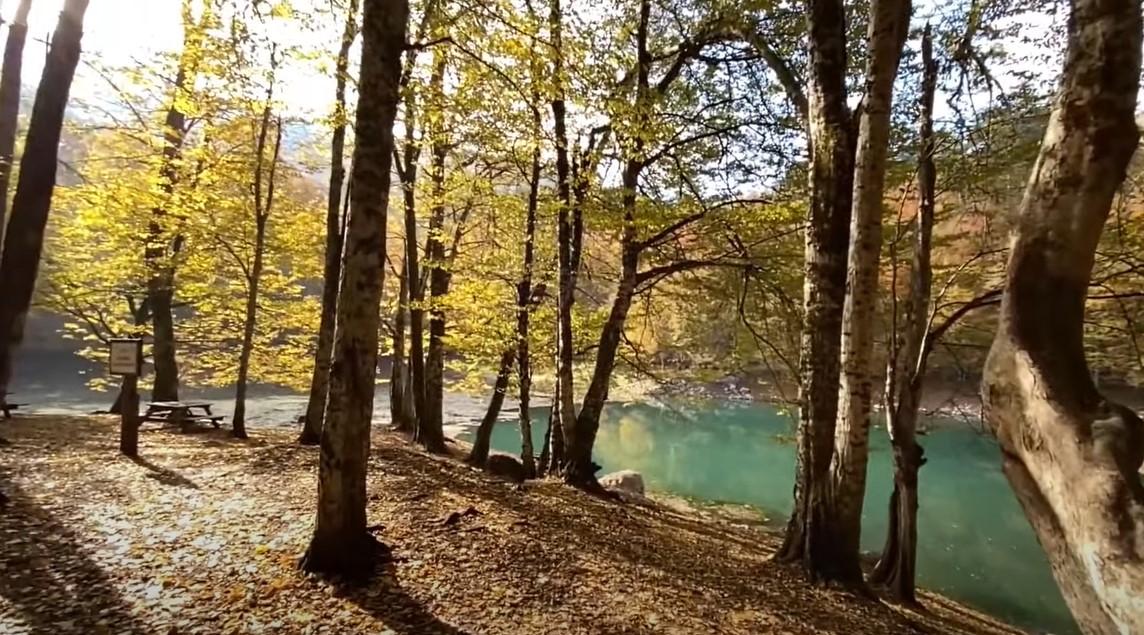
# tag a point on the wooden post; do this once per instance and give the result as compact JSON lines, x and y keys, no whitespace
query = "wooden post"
{"x":129,"y":416}
{"x":125,"y":358}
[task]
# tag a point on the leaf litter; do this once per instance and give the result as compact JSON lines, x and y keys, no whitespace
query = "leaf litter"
{"x":202,"y":534}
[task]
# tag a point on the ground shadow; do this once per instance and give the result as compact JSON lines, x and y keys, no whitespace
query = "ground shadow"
{"x":164,"y":475}
{"x":383,"y":597}
{"x":55,"y":586}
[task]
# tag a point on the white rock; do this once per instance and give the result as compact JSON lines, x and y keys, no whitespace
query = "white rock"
{"x":625,"y":481}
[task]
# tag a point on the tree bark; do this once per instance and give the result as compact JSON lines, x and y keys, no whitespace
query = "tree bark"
{"x":430,"y":423}
{"x":263,"y":205}
{"x":1071,"y":455}
{"x":10,"y":84}
{"x":24,"y":239}
{"x":889,"y":22}
{"x":163,"y":245}
{"x":905,"y":369}
{"x":341,"y":543}
{"x":480,"y":452}
{"x":320,"y":379}
{"x":411,"y":151}
{"x":566,"y":293}
{"x":400,"y":406}
{"x":524,"y":301}
{"x":827,"y":235}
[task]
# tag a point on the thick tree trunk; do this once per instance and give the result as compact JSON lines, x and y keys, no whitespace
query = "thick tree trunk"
{"x":1071,"y":455}
{"x":430,"y":423}
{"x":341,"y":544}
{"x":831,"y":140}
{"x":887,"y":33}
{"x":263,"y":205}
{"x":400,"y":406}
{"x":320,"y":379}
{"x":905,"y":369}
{"x":480,"y":452}
{"x":10,"y":84}
{"x":163,"y":245}
{"x":24,"y":239}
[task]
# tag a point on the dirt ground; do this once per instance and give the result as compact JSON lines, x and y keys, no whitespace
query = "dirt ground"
{"x":202,"y":535}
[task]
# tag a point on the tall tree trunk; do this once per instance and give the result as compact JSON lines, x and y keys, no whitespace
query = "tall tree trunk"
{"x":163,"y":244}
{"x":400,"y":406}
{"x":263,"y":205}
{"x":430,"y":424}
{"x":411,"y":151}
{"x":10,"y":84}
{"x":24,"y":240}
{"x":480,"y":452}
{"x":905,"y":369}
{"x":1071,"y":455}
{"x":320,"y":379}
{"x":566,"y":294}
{"x":887,"y":33}
{"x":341,"y":544}
{"x":827,"y":238}
{"x":524,"y":300}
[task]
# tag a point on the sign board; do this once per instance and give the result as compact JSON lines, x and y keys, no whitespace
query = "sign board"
{"x":126,"y":356}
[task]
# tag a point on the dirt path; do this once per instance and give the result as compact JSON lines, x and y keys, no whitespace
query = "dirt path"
{"x":202,"y":535}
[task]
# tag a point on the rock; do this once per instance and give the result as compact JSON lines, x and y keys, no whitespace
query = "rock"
{"x":507,"y":467}
{"x":628,"y":481}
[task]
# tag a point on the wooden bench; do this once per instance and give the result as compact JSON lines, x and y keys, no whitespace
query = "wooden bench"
{"x":181,"y":413}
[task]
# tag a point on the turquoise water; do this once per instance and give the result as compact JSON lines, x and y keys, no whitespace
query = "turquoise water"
{"x":974,"y":543}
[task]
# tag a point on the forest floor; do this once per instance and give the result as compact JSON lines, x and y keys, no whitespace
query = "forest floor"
{"x":202,"y":535}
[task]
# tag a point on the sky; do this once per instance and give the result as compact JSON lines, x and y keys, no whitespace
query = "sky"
{"x":119,"y":32}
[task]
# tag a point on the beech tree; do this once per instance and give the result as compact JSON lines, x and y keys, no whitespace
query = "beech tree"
{"x":10,"y":84}
{"x":24,"y":238}
{"x":1071,"y":455}
{"x":341,"y":544}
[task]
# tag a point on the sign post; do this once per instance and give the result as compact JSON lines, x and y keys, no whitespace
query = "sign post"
{"x":125,"y":358}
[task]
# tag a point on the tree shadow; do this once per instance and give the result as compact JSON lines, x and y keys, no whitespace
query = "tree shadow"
{"x":49,"y":579}
{"x":164,"y":475}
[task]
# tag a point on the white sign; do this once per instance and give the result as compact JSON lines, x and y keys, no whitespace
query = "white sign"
{"x":124,"y":358}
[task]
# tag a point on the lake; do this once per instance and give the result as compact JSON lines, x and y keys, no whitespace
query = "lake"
{"x":974,"y":543}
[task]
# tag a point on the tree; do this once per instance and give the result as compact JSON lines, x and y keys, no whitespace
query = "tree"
{"x":887,"y":34}
{"x":24,"y":239}
{"x":319,"y":383}
{"x":165,"y":239}
{"x":263,"y":195}
{"x":906,"y":364}
{"x":10,"y":84}
{"x":341,"y":544}
{"x":1071,"y":455}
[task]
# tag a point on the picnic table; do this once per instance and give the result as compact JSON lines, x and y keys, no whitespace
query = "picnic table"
{"x":182,"y":413}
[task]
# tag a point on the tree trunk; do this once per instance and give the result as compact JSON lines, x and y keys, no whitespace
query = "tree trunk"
{"x":162,"y":244}
{"x":320,"y":379}
{"x":1071,"y":455}
{"x":524,"y":288}
{"x":400,"y":407}
{"x":341,"y":544}
{"x":905,"y":370}
{"x":566,"y":294}
{"x":480,"y":452}
{"x":430,"y":424}
{"x":10,"y":84}
{"x":410,"y":154}
{"x":887,"y":33}
{"x":827,"y":235}
{"x":262,"y":208}
{"x":24,"y":239}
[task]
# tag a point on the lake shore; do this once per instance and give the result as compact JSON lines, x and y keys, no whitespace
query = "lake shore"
{"x":201,"y":535}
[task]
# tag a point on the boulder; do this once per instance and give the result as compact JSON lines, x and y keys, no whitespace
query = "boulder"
{"x":628,"y":481}
{"x":506,"y":467}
